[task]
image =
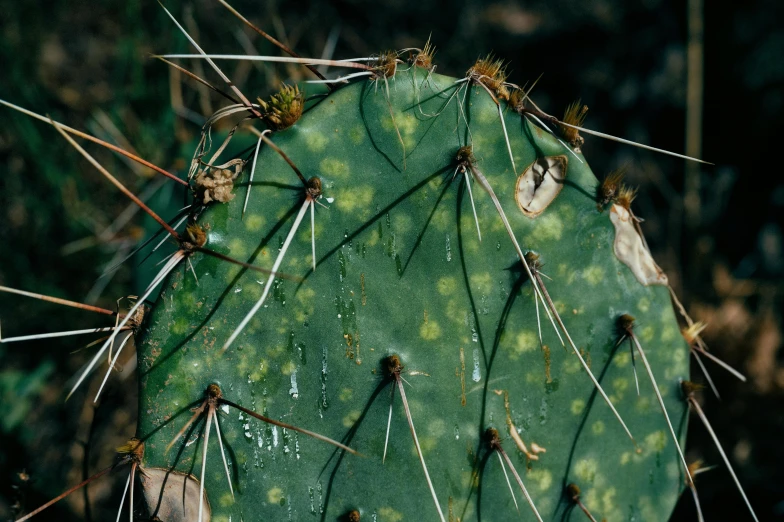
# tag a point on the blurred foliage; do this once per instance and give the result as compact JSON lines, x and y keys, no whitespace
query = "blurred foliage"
{"x":87,"y":63}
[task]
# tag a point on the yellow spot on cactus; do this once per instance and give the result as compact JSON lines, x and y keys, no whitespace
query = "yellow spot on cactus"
{"x":549,"y":227}
{"x":226,"y":500}
{"x":259,"y":373}
{"x":597,"y":427}
{"x":656,"y":441}
{"x":456,"y":311}
{"x":427,"y":444}
{"x":316,"y":142}
{"x":357,"y":135}
{"x":578,"y":405}
{"x":572,"y":365}
{"x":305,"y":295}
{"x":436,"y":428}
{"x":401,"y":223}
{"x":346,"y":394}
{"x":304,"y":234}
{"x":594,"y":275}
{"x":180,"y":326}
{"x":669,"y":334}
{"x":623,"y":359}
{"x":643,"y":404}
{"x":237,"y":249}
{"x":447,"y":285}
{"x":481,"y":282}
{"x":350,"y":419}
{"x":542,"y":477}
{"x":430,"y":331}
{"x":274,"y":495}
{"x":526,"y":341}
{"x":333,"y":168}
{"x":644,"y":304}
{"x":442,"y":220}
{"x":288,"y":368}
{"x":626,"y":457}
{"x":646,"y":334}
{"x":352,"y":199}
{"x":620,"y":385}
{"x":254,"y":222}
{"x":586,"y":470}
{"x":608,"y":500}
{"x":387,"y":514}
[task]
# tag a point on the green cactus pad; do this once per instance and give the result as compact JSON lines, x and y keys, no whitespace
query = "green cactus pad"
{"x":401,"y":270}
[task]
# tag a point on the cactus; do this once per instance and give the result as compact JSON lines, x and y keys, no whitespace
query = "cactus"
{"x":401,"y":271}
{"x":440,"y":331}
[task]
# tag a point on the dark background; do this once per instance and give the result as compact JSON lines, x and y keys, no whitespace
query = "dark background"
{"x":716,"y":230}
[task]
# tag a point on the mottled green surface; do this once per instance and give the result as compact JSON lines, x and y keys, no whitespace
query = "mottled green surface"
{"x":401,"y":270}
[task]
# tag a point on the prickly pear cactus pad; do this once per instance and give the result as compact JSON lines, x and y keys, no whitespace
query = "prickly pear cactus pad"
{"x":401,"y":271}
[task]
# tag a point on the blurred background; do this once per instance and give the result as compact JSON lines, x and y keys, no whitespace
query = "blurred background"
{"x":705,"y":79}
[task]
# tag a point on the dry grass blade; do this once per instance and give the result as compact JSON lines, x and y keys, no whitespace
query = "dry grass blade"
{"x":270,"y":39}
{"x":204,"y":55}
{"x":95,"y":140}
{"x":114,"y":181}
{"x":198,"y":79}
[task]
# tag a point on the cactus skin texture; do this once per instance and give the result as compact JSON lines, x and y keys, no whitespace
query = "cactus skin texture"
{"x":402,"y":271}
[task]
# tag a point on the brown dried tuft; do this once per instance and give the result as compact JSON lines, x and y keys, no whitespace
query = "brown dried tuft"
{"x":195,"y":236}
{"x":386,"y":64}
{"x":314,"y":188}
{"x":574,"y":115}
{"x":607,"y":192}
{"x":465,"y":155}
{"x":626,"y":323}
{"x":138,"y":316}
{"x":573,"y":492}
{"x":626,"y":196}
{"x":284,"y":108}
{"x":689,"y":388}
{"x":132,"y":450}
{"x":424,"y":58}
{"x":215,"y":185}
{"x":532,"y":258}
{"x":492,"y":438}
{"x":213,"y":392}
{"x":353,"y":516}
{"x":692,"y":333}
{"x":393,"y":366}
{"x":492,"y":74}
{"x":516,"y":99}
